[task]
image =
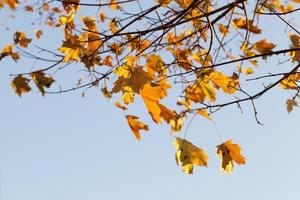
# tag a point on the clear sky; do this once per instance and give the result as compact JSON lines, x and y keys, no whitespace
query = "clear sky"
{"x":67,"y":147}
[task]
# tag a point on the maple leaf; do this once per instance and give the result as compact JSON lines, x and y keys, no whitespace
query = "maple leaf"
{"x":187,"y":155}
{"x":20,"y":38}
{"x":199,"y":91}
{"x":151,"y":94}
{"x":229,"y":152}
{"x":263,"y":46}
{"x":136,"y":126}
{"x":155,"y":64}
{"x":295,"y":39}
{"x":42,"y":81}
{"x":72,"y":48}
{"x":93,"y":39}
{"x":246,"y":24}
{"x":20,"y":85}
{"x":290,"y":104}
{"x":8,"y":51}
{"x":131,"y":80}
{"x":227,"y":84}
{"x":290,"y":82}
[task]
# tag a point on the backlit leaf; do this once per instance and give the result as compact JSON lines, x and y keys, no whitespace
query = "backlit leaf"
{"x":136,"y":126}
{"x":20,"y":85}
{"x":187,"y":155}
{"x":229,"y":152}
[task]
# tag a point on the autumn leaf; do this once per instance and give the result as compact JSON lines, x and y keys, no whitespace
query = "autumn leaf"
{"x":246,"y":24}
{"x":264,"y":46}
{"x":204,"y":114}
{"x":72,"y":49}
{"x":136,"y":126}
{"x":295,"y":39}
{"x":41,"y":81}
{"x":229,"y":152}
{"x":114,"y":5}
{"x":155,"y":65}
{"x":93,"y":39}
{"x":223,"y":29}
{"x":187,"y":155}
{"x":71,"y":5}
{"x":151,"y":94}
{"x":164,"y":2}
{"x":290,"y":104}
{"x":102,"y":16}
{"x":290,"y":82}
{"x":8,"y":51}
{"x":38,"y":33}
{"x":11,"y":3}
{"x":113,"y":25}
{"x":119,"y":105}
{"x":228,"y":84}
{"x":20,"y":85}
{"x":29,"y":8}
{"x":20,"y":38}
{"x":200,"y":91}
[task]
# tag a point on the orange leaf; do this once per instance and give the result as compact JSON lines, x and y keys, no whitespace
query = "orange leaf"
{"x":229,"y":152}
{"x":136,"y":126}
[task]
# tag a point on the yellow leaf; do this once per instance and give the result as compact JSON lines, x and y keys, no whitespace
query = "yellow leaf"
{"x":114,"y":5}
{"x":290,"y":82}
{"x":290,"y":104}
{"x":42,"y":81}
{"x":180,"y":102}
{"x":136,"y":126}
{"x":154,"y":64}
{"x":113,"y":25}
{"x":248,"y":71}
{"x":199,"y":91}
{"x":227,"y":84}
{"x":8,"y":51}
{"x":175,"y":122}
{"x":187,"y":155}
{"x":164,"y":2}
{"x":229,"y":152}
{"x":128,"y":95}
{"x":72,"y":49}
{"x":20,"y":85}
{"x":246,"y":24}
{"x":204,"y":113}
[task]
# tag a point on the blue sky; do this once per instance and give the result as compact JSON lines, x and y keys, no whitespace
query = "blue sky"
{"x":67,"y":147}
